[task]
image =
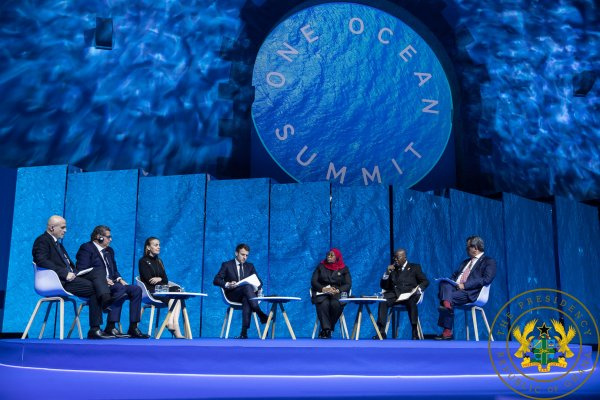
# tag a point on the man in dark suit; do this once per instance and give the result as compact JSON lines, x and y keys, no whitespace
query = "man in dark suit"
{"x":399,"y":278}
{"x":48,"y":252}
{"x":98,"y":254}
{"x":471,"y":276}
{"x":229,"y":275}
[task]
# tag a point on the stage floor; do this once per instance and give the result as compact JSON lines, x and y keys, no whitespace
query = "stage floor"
{"x":256,"y":369}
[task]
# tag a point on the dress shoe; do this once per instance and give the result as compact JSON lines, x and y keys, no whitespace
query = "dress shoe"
{"x":116,"y":333}
{"x":415,"y":334}
{"x":137,"y":334}
{"x":242,"y":336}
{"x":383,"y":336}
{"x":99,"y":334}
{"x":444,"y":337}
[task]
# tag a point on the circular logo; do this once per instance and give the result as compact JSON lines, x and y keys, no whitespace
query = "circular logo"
{"x":547,"y":357}
{"x":351,"y":94}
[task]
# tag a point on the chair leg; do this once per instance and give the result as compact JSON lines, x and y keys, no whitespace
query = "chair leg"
{"x":224,"y":324}
{"x":50,"y":304}
{"x":76,"y":320}
{"x":389,"y":319}
{"x":474,"y":316}
{"x":257,"y":325}
{"x":467,"y":324}
{"x":397,"y":324}
{"x":420,"y":330}
{"x":344,"y":327}
{"x":62,"y":319}
{"x":315,"y":328}
{"x":230,"y":311}
{"x":35,"y":311}
{"x":487,"y":325}
{"x":151,"y":322}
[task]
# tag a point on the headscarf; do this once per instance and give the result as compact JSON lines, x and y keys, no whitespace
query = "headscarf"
{"x":339,"y":262}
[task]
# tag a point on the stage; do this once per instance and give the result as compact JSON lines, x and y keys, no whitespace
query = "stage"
{"x":269,"y":369}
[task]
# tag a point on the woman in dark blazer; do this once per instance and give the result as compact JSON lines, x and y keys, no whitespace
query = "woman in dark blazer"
{"x":330,"y":279}
{"x":152,"y":273}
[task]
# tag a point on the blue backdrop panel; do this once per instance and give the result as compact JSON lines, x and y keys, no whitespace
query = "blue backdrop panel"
{"x":237,"y":211}
{"x":530,"y":262}
{"x":475,"y":215}
{"x":104,"y":198}
{"x":40,"y":193}
{"x":360,"y":228}
{"x":578,"y":238}
{"x":299,"y":237}
{"x":172,"y":209}
{"x":422,"y":227}
{"x":8,"y":183}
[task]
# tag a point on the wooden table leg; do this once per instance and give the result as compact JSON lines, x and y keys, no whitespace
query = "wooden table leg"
{"x":359,"y":317}
{"x":373,"y":322}
{"x":354,"y":327}
{"x":266,"y":331}
{"x":274,"y":310}
{"x":164,"y":324}
{"x":287,"y":321}
{"x":186,"y":320}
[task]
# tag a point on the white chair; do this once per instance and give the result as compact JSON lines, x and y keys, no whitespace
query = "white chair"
{"x":231,"y":307}
{"x":342,"y":321}
{"x":149,"y":302}
{"x":47,"y":284}
{"x":477,"y":305}
{"x":394,"y":317}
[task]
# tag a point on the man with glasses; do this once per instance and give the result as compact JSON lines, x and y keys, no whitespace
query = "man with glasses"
{"x":48,"y":252}
{"x":465,"y":284}
{"x":98,"y":254}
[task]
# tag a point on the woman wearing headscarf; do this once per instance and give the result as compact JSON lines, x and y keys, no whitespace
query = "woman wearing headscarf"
{"x":330,"y":279}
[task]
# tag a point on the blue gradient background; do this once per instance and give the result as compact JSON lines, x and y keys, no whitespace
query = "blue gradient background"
{"x":173,"y":96}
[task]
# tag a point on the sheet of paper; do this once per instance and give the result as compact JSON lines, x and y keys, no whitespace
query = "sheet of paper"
{"x":84,"y":271}
{"x":251,"y":280}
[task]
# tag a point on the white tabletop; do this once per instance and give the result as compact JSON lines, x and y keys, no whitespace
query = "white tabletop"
{"x":174,"y":295}
{"x":363,"y":300}
{"x":277,"y":299}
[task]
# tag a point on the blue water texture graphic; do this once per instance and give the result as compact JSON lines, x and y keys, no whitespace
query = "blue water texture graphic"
{"x":352,"y":100}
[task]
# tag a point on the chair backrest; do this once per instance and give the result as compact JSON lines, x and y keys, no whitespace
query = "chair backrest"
{"x":483,"y":297}
{"x":146,"y":296}
{"x":47,"y":283}
{"x":229,"y":302}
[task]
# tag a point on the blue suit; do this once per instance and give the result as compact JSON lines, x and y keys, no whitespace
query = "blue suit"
{"x":240,"y":294}
{"x":89,"y":256}
{"x":482,"y":274}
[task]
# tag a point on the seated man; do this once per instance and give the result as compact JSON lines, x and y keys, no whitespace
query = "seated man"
{"x":399,"y":278}
{"x":48,"y":252}
{"x":98,"y":255}
{"x":471,"y":276}
{"x":229,"y":275}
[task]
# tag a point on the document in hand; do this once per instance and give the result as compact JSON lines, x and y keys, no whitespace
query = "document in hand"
{"x":251,"y":280}
{"x":84,"y":271}
{"x":450,"y":281}
{"x":406,"y":296}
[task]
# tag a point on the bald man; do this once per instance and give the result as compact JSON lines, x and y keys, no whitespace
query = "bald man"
{"x":48,"y":252}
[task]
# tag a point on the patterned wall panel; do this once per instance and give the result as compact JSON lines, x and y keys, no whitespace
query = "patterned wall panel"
{"x":422,"y":227}
{"x":40,"y":193}
{"x":299,"y":238}
{"x":360,"y":228}
{"x":171,"y":208}
{"x":475,"y":215}
{"x":104,"y":198}
{"x":578,"y":238}
{"x":237,"y":211}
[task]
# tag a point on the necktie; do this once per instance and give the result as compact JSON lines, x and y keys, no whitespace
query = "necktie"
{"x":467,"y":271}
{"x":241,"y":272}
{"x":106,"y":263}
{"x":63,"y":254}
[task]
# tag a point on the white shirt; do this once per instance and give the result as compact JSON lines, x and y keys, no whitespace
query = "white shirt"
{"x":100,"y":248}
{"x":470,"y":265}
